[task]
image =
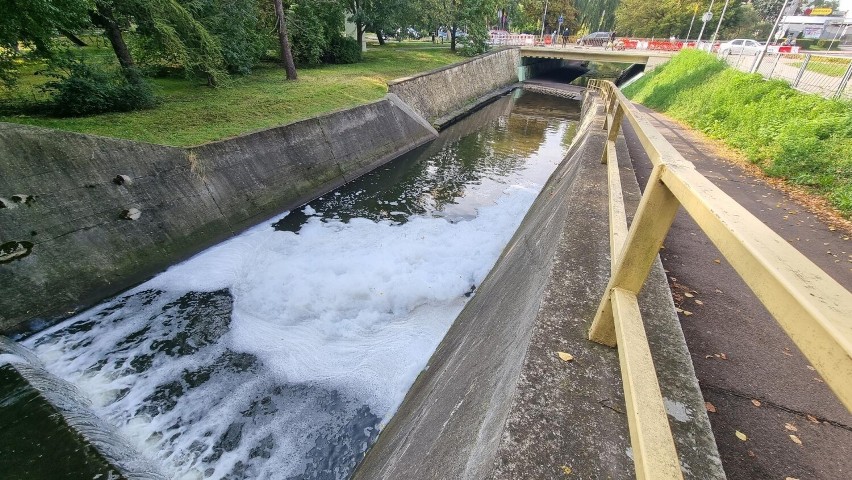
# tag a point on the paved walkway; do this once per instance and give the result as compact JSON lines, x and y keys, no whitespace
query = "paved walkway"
{"x":753,"y":375}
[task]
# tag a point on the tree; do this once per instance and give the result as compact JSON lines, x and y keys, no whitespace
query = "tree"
{"x":533,"y":12}
{"x":767,"y":9}
{"x":464,"y":14}
{"x":34,"y":23}
{"x":240,"y":27}
{"x":358,"y":14}
{"x":284,"y":41}
{"x":746,"y":23}
{"x":104,"y":16}
{"x":314,"y":26}
{"x":596,"y":15}
{"x":641,"y":18}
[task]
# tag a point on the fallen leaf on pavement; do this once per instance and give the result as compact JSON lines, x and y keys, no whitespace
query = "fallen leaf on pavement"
{"x":717,"y":261}
{"x":791,"y":427}
{"x":742,"y":436}
{"x":755,"y":402}
{"x":795,"y":439}
{"x":566,"y":470}
{"x":710,"y":407}
{"x":686,"y":313}
{"x":688,"y":295}
{"x":723,"y":356}
{"x":565,"y":356}
{"x":791,"y":478}
{"x":699,"y":302}
{"x":812,"y":419}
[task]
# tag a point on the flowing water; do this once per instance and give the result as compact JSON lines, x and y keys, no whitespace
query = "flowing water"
{"x":281,"y":353}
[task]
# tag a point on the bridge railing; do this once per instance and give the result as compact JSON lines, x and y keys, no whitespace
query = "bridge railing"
{"x":811,"y":307}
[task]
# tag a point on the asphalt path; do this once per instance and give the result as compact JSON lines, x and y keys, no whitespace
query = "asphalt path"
{"x":755,"y":380}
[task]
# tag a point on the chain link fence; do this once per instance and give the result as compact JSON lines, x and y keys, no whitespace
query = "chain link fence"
{"x":824,"y":75}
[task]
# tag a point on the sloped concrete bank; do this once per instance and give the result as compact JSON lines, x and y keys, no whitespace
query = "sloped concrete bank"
{"x":496,"y":401}
{"x":84,"y":217}
{"x":449,"y":89}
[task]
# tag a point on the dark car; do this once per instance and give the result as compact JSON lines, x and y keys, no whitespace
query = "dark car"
{"x":597,"y":39}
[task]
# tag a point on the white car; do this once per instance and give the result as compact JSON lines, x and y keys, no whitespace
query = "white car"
{"x":741,"y":46}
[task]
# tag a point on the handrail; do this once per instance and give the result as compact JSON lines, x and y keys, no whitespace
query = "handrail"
{"x":811,"y":307}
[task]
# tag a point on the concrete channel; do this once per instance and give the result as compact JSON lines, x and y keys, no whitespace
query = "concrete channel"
{"x":496,"y":400}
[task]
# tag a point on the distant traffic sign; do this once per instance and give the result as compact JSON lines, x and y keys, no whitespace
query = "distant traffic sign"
{"x":707,"y":17}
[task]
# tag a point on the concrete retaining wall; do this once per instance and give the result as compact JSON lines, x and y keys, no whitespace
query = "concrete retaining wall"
{"x":83,"y":217}
{"x":439,"y":92}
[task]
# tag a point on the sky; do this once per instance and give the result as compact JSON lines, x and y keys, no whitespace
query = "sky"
{"x":845,"y":5}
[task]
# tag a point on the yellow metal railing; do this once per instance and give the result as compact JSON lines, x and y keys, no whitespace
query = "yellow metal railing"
{"x":812,"y":308}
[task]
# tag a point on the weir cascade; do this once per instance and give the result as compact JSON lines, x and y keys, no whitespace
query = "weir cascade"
{"x":289,"y":349}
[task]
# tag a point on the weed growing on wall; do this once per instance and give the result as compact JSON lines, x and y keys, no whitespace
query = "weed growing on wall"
{"x":803,"y":138}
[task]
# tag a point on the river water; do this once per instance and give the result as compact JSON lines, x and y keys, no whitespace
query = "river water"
{"x":280,"y":353}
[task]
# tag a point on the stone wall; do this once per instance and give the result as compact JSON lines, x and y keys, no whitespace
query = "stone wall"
{"x":439,"y":92}
{"x":84,"y":217}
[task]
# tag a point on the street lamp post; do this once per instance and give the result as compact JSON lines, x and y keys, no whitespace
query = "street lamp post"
{"x":756,"y":64}
{"x":543,"y":17}
{"x":705,"y":18}
{"x":719,"y":25}
{"x":694,"y":13}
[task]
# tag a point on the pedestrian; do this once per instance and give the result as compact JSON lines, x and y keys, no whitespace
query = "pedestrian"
{"x":565,"y":34}
{"x":553,"y":38}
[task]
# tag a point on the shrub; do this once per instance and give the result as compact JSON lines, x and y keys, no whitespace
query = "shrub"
{"x":475,"y":42}
{"x":343,"y":50}
{"x":83,"y":89}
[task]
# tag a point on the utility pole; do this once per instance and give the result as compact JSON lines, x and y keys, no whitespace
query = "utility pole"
{"x":756,"y":64}
{"x":694,"y":13}
{"x":719,"y":25}
{"x":543,"y":17}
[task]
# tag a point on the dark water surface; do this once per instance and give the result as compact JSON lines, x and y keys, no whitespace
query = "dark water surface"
{"x":281,"y":353}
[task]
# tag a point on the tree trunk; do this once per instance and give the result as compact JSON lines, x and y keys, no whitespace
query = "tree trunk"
{"x":453,"y":38}
{"x":380,"y":37}
{"x":74,"y":38}
{"x":360,"y":28}
{"x":284,"y":41}
{"x":104,"y":19}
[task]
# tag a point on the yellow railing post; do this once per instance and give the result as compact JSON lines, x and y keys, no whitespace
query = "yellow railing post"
{"x":651,"y":223}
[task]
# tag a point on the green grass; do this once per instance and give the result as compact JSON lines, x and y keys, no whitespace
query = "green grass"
{"x":803,"y":138}
{"x":191,"y":114}
{"x":833,"y":69}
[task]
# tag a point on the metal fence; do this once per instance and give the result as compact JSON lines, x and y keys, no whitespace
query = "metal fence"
{"x":824,"y":75}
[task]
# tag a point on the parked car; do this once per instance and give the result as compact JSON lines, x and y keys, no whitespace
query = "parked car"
{"x":741,"y":46}
{"x":597,"y":39}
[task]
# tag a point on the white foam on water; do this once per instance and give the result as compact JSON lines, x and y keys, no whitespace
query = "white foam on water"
{"x":344,"y":314}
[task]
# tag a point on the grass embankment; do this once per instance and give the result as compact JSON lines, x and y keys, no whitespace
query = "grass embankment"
{"x":833,"y":67}
{"x":191,"y":114}
{"x":803,"y":138}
